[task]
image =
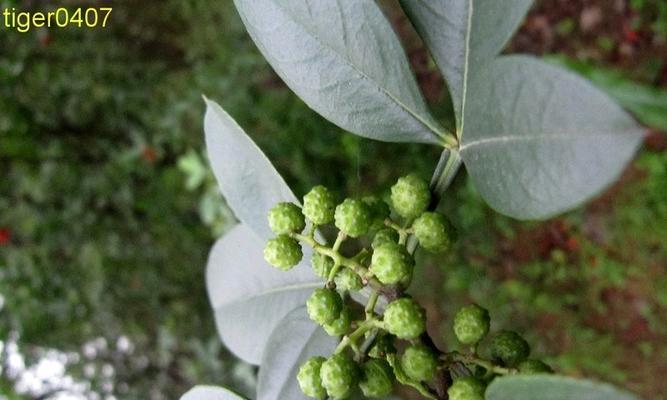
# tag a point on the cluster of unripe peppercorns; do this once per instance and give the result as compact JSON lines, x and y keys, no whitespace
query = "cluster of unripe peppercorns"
{"x":367,"y":356}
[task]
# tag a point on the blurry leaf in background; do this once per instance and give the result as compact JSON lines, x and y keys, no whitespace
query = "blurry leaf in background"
{"x":552,"y":388}
{"x":210,"y":393}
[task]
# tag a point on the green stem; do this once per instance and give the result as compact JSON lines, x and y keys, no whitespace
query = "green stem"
{"x":341,"y":260}
{"x":487,"y":365}
{"x":372,"y":301}
{"x":352,"y":338}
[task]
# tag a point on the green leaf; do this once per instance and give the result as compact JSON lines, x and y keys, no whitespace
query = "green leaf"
{"x":540,"y":140}
{"x":249,"y":296}
{"x":463,"y":35}
{"x":343,"y":59}
{"x":647,"y":103}
{"x":210,"y":393}
{"x":294,"y":341}
{"x":245,"y":176}
{"x":550,"y":387}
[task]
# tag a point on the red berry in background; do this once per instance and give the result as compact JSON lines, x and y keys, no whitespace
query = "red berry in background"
{"x":149,"y":154}
{"x":5,"y":236}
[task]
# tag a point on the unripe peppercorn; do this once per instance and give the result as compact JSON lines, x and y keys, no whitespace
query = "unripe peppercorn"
{"x":283,"y":252}
{"x":405,"y":319}
{"x":321,"y":264}
{"x":383,"y":236}
{"x":532,"y":366}
{"x":471,"y":324}
{"x":467,"y":388}
{"x":348,"y":280}
{"x":377,"y":378}
{"x":319,"y":205}
{"x":286,"y":218}
{"x":339,"y":375}
{"x":410,"y":196}
{"x":340,"y":325}
{"x":434,"y":232}
{"x":509,"y":347}
{"x":324,"y":306}
{"x":309,"y":378}
{"x":353,"y":217}
{"x":391,"y":263}
{"x":419,"y":363}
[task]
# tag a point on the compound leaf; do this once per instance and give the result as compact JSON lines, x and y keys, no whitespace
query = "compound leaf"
{"x":343,"y":59}
{"x":463,"y":35}
{"x":210,"y":393}
{"x":245,"y":176}
{"x":552,"y":387}
{"x":540,"y":140}
{"x":249,"y":296}
{"x":293,"y":341}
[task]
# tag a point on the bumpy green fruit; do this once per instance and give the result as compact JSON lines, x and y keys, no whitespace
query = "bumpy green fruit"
{"x":510,"y":348}
{"x":405,"y":318}
{"x":319,"y":205}
{"x":471,"y":324}
{"x":434,"y":232}
{"x":309,"y":378}
{"x":340,"y":325}
{"x":286,"y":218}
{"x":410,"y":196}
{"x":339,"y":375}
{"x":377,"y":378}
{"x":324,"y":306}
{"x":353,"y":217}
{"x":379,"y":211}
{"x":346,"y":279}
{"x":321,"y":264}
{"x":283,"y":252}
{"x":391,"y":263}
{"x":532,"y":366}
{"x":467,"y":388}
{"x":386,"y":235}
{"x":419,"y":363}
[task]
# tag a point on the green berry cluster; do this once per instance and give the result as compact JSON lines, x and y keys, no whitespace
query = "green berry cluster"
{"x":366,"y":358}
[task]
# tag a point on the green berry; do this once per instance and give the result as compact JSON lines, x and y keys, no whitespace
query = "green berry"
{"x":405,"y":318}
{"x":410,"y":196}
{"x":383,"y":345}
{"x":283,"y":252}
{"x":467,"y":388}
{"x":309,"y":378}
{"x":434,"y":232}
{"x":386,"y":235}
{"x":324,"y":306}
{"x":419,"y":363}
{"x":286,"y":218}
{"x":321,"y":264}
{"x":532,"y":366}
{"x":353,"y":217}
{"x":318,"y":205}
{"x":391,"y":263}
{"x":510,"y":348}
{"x":379,"y":211}
{"x":348,"y":280}
{"x":340,"y":325}
{"x":471,"y":324}
{"x":377,"y":378}
{"x":339,"y":375}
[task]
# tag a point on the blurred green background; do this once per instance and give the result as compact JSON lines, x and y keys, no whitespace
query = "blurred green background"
{"x":108,"y":208}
